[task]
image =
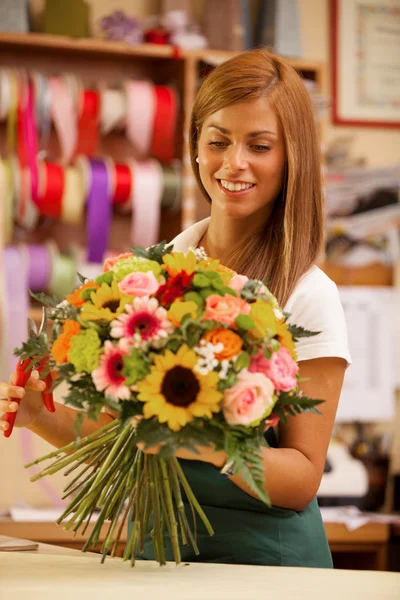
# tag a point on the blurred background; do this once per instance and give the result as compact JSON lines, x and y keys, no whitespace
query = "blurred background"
{"x":95,"y":100}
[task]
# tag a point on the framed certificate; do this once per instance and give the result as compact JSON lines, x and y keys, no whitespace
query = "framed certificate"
{"x":366,"y":62}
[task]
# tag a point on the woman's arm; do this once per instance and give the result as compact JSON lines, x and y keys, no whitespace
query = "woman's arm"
{"x":294,"y":470}
{"x":58,"y":428}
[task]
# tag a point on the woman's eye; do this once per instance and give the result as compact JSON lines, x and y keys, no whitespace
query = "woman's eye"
{"x":261,"y":148}
{"x":218,"y":144}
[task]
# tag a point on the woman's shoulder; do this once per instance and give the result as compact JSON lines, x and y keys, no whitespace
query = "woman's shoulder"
{"x":315,"y":305}
{"x":190,"y":237}
{"x":313,"y":286}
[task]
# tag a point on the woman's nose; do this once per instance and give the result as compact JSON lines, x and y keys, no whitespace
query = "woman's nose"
{"x":235,"y":158}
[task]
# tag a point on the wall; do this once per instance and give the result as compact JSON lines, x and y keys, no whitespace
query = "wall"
{"x":378,"y":146}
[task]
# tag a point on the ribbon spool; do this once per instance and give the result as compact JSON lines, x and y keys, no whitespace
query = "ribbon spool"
{"x":74,"y":197}
{"x":113,"y":110}
{"x":146,"y":202}
{"x":51,"y":189}
{"x":99,"y":207}
{"x":88,"y":122}
{"x":140,"y":115}
{"x":7,"y":194}
{"x":64,"y":117}
{"x":40,"y":267}
{"x":163,"y":141}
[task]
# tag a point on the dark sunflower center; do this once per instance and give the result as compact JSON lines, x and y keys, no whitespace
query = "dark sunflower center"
{"x":180,"y":386}
{"x":113,"y":305}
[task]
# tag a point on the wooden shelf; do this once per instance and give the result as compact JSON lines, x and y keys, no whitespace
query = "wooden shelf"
{"x":25,"y":41}
{"x":93,"y":46}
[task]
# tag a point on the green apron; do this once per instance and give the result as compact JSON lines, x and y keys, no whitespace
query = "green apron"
{"x":247,"y":531}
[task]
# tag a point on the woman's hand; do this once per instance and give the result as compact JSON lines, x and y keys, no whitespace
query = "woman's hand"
{"x":30,"y":406}
{"x":206,"y":454}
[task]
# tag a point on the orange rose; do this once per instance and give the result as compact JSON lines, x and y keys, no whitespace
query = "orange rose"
{"x":231,"y":341}
{"x":75,"y":298}
{"x":62,"y":344}
{"x":110,"y":262}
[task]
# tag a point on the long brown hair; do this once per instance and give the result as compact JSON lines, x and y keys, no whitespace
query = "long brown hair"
{"x":294,"y":236}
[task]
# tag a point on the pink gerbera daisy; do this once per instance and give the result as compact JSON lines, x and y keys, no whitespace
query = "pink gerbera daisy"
{"x":108,"y":375}
{"x":142,"y":321}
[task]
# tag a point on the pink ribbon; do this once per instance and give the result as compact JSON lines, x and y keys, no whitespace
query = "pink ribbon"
{"x":141,"y":106}
{"x":64,"y":117}
{"x":146,"y":202}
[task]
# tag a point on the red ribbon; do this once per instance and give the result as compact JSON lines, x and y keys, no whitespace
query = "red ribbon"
{"x":51,"y":191}
{"x":163,"y":143}
{"x":88,"y":123}
{"x":123,"y":184}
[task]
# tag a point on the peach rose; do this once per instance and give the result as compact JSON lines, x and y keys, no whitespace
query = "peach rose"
{"x":225,"y":309}
{"x":231,"y":341}
{"x":110,"y":262}
{"x":238,"y":282}
{"x":249,"y":400}
{"x":139,"y":284}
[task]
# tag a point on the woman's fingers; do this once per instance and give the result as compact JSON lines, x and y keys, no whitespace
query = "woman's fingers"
{"x":11,"y":391}
{"x":7,"y":406}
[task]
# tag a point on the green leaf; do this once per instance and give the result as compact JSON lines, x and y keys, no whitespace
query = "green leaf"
{"x":106,"y":277}
{"x":201,"y":281}
{"x":82,"y":278}
{"x":275,"y":344}
{"x":153,"y":252}
{"x":194,"y":297}
{"x":51,"y":301}
{"x":242,"y":362}
{"x":299,"y":332}
{"x":227,"y":291}
{"x":85,"y":294}
{"x":204,"y":293}
{"x":245,"y":322}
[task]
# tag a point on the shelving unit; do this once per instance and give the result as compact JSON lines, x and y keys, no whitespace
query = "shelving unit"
{"x":102,"y":62}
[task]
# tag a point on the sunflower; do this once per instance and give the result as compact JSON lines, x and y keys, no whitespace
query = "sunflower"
{"x":106,"y":303}
{"x":175,"y":394}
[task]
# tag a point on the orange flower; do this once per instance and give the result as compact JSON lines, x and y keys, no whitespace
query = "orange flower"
{"x":75,"y":298}
{"x":62,"y":344}
{"x":231,"y":341}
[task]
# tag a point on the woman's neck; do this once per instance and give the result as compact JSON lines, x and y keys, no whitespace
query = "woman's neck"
{"x":224,"y":234}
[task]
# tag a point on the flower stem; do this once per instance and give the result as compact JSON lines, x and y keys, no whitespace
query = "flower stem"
{"x":192,"y":497}
{"x":170,"y":509}
{"x":74,"y":444}
{"x":157,"y":525}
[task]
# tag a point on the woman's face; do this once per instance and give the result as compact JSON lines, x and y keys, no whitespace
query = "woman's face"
{"x":242,"y":159}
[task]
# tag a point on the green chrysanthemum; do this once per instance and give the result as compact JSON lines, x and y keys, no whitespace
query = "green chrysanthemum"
{"x":135,"y":264}
{"x":85,"y":351}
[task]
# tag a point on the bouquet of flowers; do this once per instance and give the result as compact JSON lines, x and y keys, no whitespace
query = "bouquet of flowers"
{"x":189,"y":354}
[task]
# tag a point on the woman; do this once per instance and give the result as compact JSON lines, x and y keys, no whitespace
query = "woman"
{"x":255,"y":154}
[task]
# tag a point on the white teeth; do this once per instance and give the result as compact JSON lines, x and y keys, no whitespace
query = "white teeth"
{"x":235,"y":187}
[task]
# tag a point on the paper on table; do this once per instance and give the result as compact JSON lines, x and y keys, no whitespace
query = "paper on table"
{"x":353,"y":518}
{"x":38,"y":515}
{"x":9,"y":544}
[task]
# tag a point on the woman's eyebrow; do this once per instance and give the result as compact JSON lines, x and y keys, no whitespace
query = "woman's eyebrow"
{"x":251,"y":134}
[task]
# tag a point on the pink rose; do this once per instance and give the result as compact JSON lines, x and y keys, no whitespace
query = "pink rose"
{"x":139,"y":284}
{"x":225,"y":309}
{"x":281,"y":369}
{"x":110,"y":262}
{"x":249,"y":400}
{"x":238,"y":282}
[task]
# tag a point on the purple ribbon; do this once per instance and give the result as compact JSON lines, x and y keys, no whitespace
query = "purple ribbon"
{"x":99,"y":211}
{"x":39,"y":267}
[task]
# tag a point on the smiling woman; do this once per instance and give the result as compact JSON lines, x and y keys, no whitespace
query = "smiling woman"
{"x":256,"y":156}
